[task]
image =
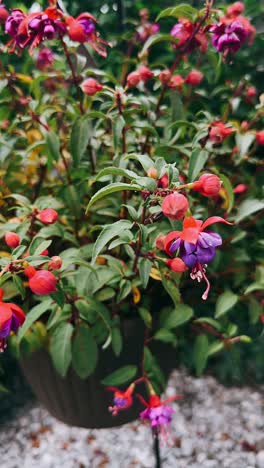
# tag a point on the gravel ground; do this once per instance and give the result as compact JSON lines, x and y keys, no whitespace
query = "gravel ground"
{"x":213,"y":427}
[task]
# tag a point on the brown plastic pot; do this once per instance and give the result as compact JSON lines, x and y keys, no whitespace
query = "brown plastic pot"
{"x":85,"y":403}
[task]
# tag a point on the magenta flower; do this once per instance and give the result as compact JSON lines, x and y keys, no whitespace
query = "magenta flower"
{"x":228,"y":38}
{"x":45,"y":58}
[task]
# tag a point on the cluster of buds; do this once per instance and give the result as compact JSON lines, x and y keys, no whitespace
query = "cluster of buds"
{"x":143,"y":73}
{"x":193,"y":78}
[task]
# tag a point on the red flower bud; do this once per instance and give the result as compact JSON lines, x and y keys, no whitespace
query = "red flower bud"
{"x":160,"y":242}
{"x":176,"y":82}
{"x":44,"y":253}
{"x":3,"y":14}
{"x":12,"y":239}
{"x":164,"y":181}
{"x":145,"y":73}
{"x":133,"y":79}
{"x":219,"y":132}
{"x":244,"y":125}
{"x":41,"y":282}
{"x":177,"y":265}
{"x":208,"y":185}
{"x":240,"y":188}
{"x":165,"y":76}
{"x":91,"y":86}
{"x":260,"y":137}
{"x":251,"y":93}
{"x":55,"y":263}
{"x":235,"y":10}
{"x":152,"y":172}
{"x":48,"y":216}
{"x":174,"y":206}
{"x":194,"y":78}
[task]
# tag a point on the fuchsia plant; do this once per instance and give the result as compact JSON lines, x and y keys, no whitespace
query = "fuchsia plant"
{"x":147,"y":178}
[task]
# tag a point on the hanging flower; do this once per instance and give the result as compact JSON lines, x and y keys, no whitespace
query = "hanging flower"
{"x":228,"y":38}
{"x":83,"y":29}
{"x":45,"y":58}
{"x":122,"y":400}
{"x":184,"y":31}
{"x":11,"y":318}
{"x":196,"y":247}
{"x":219,"y":131}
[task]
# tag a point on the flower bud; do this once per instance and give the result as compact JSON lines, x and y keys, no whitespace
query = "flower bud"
{"x":153,"y":173}
{"x":240,"y":188}
{"x":165,"y":76}
{"x":145,"y":73}
{"x":55,"y":263}
{"x":48,"y":216}
{"x":3,"y":14}
{"x":164,"y":181}
{"x":91,"y":86}
{"x":176,"y":82}
{"x":174,"y":206}
{"x":41,"y":282}
{"x":244,"y":125}
{"x":235,"y":10}
{"x":208,"y":185}
{"x":44,"y":253}
{"x":260,"y":137}
{"x":194,"y":78}
{"x":251,"y":93}
{"x":160,"y":242}
{"x":177,"y":265}
{"x":133,"y":79}
{"x":12,"y":239}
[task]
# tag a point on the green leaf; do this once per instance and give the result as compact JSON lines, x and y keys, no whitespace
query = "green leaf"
{"x":117,"y":341}
{"x":118,"y":126}
{"x":112,"y":188}
{"x":120,"y":376}
{"x":183,"y":313}
{"x":39,"y":245}
{"x":200,"y":353}
{"x":256,"y":286}
{"x":33,"y":316}
{"x":171,"y":287}
{"x":116,"y":171}
{"x":146,"y":316}
{"x":225,"y":302}
{"x":247,"y":208}
{"x":61,"y":347}
{"x":210,"y":321}
{"x":84,"y":352}
{"x":79,"y":139}
{"x":19,"y":285}
{"x":3,"y":84}
{"x":53,"y":145}
{"x":197,"y":162}
{"x":155,"y":39}
{"x":243,"y":143}
{"x":107,"y":234}
{"x":165,"y":336}
{"x":181,"y":11}
{"x":144,"y":268}
{"x":229,"y":190}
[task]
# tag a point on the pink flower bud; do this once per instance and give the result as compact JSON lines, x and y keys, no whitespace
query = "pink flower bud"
{"x":41,"y":282}
{"x":208,"y":185}
{"x":165,"y":76}
{"x":194,"y":78}
{"x":145,"y":73}
{"x":235,"y":10}
{"x":176,"y":82}
{"x":152,"y":172}
{"x":160,"y":242}
{"x":164,"y":181}
{"x":91,"y":86}
{"x":260,"y":137}
{"x":12,"y":239}
{"x":219,"y":132}
{"x":177,"y":265}
{"x":55,"y":263}
{"x":44,"y":253}
{"x":3,"y":14}
{"x":251,"y":93}
{"x":133,"y":79}
{"x":174,"y":206}
{"x":240,"y":188}
{"x":48,"y":216}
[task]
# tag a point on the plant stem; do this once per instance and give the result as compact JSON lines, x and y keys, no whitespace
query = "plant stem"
{"x":74,"y":76}
{"x":156,"y":448}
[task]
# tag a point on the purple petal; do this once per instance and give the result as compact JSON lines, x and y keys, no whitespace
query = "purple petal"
{"x":205,"y":255}
{"x":6,"y":328}
{"x":175,"y":245}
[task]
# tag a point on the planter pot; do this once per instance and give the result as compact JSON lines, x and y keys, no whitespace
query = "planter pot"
{"x":85,"y":403}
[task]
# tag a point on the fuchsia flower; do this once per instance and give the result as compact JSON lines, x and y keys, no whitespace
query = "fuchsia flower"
{"x":11,"y":318}
{"x":228,"y":38}
{"x":122,"y":400}
{"x":219,"y":131}
{"x":82,"y":29}
{"x":158,"y":413}
{"x":196,"y":246}
{"x":45,"y":58}
{"x":183,"y":31}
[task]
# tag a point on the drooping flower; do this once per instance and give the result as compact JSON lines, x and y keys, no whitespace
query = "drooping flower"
{"x":146,"y":29}
{"x":122,"y":400}
{"x":45,"y":58}
{"x":228,"y":38}
{"x":48,"y":216}
{"x":90,"y":86}
{"x":208,"y":185}
{"x":41,"y":282}
{"x":184,"y":31}
{"x":12,"y":239}
{"x":175,"y":206}
{"x":196,"y":246}
{"x":219,"y":131}
{"x":194,"y":78}
{"x":11,"y":318}
{"x":83,"y":29}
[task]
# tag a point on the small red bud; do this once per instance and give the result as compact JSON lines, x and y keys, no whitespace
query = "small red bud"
{"x":160,"y":242}
{"x":48,"y":216}
{"x":174,"y":206}
{"x":145,"y":73}
{"x":55,"y":263}
{"x":240,"y":188}
{"x":91,"y":86}
{"x":251,"y":93}
{"x":165,"y":76}
{"x":12,"y":239}
{"x":208,"y":185}
{"x":133,"y":79}
{"x":164,"y":181}
{"x":176,"y":82}
{"x":177,"y":265}
{"x":194,"y":78}
{"x":152,"y":172}
{"x":260,"y":137}
{"x":44,"y":253}
{"x":41,"y":282}
{"x":3,"y":14}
